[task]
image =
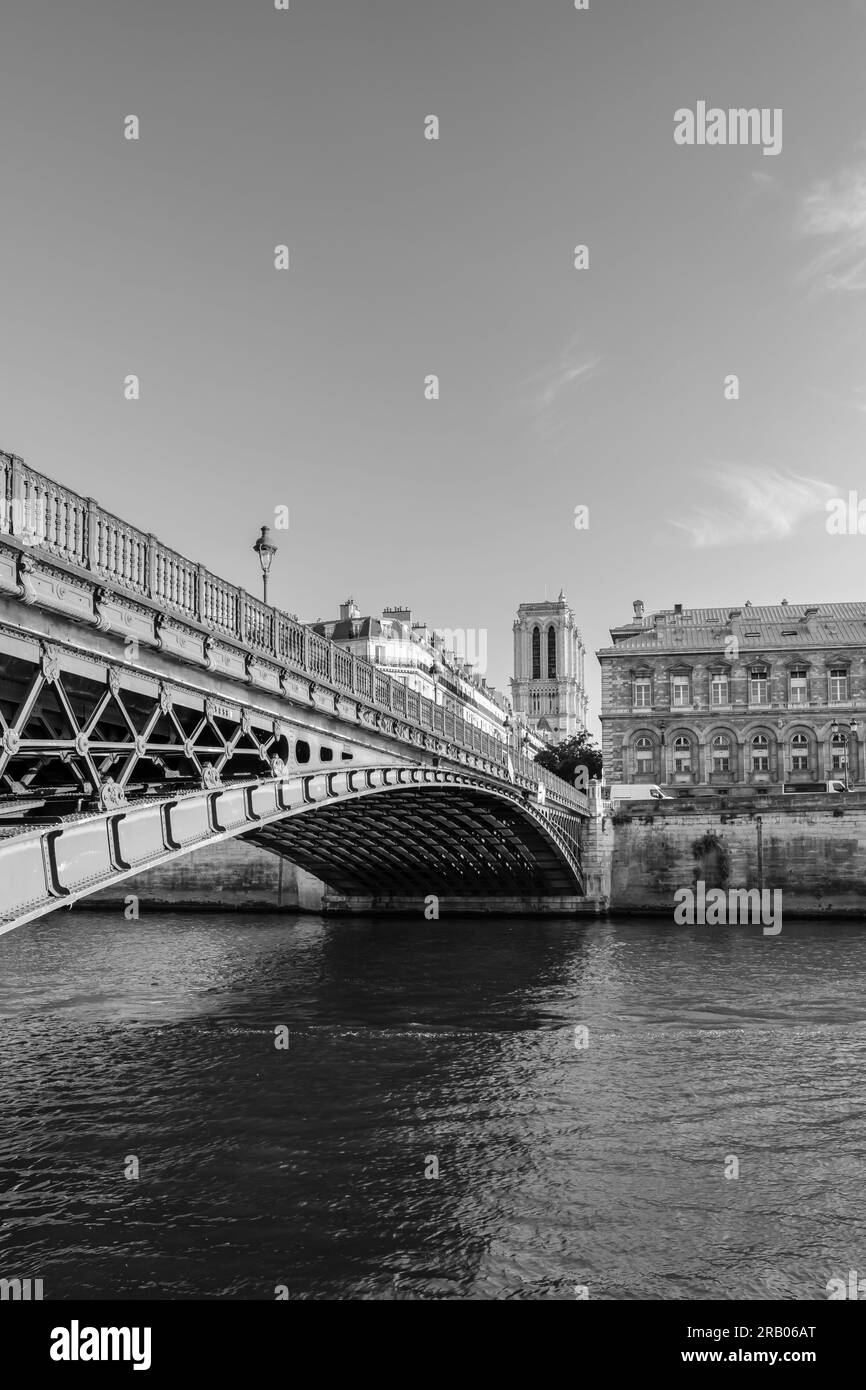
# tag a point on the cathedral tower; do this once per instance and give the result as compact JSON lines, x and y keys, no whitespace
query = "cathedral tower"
{"x":548,"y":683}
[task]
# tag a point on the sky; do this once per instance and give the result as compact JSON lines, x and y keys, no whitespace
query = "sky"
{"x":559,"y":388}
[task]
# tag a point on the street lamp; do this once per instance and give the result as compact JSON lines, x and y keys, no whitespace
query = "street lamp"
{"x":266,"y":550}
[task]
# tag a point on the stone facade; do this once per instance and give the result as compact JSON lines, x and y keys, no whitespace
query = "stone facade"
{"x":747,"y":696}
{"x":548,"y":688}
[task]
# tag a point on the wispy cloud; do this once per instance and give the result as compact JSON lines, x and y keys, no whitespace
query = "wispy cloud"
{"x":833,"y":213}
{"x":761,"y":179}
{"x":755,"y":505}
{"x":551,"y":389}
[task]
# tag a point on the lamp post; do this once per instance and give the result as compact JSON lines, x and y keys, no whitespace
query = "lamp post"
{"x":853,"y":728}
{"x":266,"y":550}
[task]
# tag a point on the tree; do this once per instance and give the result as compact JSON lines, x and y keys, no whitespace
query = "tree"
{"x":565,"y":758}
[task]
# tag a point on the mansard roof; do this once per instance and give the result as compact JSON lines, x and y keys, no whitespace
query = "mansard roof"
{"x":345,"y":628}
{"x":780,"y":625}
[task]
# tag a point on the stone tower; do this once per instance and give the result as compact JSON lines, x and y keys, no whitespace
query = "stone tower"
{"x":548,"y":683}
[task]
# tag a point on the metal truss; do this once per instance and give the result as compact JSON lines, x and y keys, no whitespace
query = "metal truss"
{"x":83,"y":735}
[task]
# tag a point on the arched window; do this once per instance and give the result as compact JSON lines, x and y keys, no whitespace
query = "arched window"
{"x":536,"y":654}
{"x":643,"y":751}
{"x":682,"y":754}
{"x":721,"y":753}
{"x":838,"y":752}
{"x":760,"y":753}
{"x":551,"y":652}
{"x":799,"y":753}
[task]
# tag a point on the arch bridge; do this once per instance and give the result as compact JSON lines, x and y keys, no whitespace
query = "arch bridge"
{"x":148,"y":707}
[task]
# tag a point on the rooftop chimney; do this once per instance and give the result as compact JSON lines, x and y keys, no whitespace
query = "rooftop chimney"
{"x":638,"y":610}
{"x":349,"y":609}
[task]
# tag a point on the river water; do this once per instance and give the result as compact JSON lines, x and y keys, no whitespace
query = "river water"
{"x":416,"y":1045}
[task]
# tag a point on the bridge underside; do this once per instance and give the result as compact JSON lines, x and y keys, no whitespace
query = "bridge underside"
{"x":387,"y":831}
{"x":460,"y":842}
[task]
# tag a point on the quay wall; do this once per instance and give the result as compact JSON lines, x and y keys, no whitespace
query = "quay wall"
{"x":225,"y":877}
{"x":813,"y":848}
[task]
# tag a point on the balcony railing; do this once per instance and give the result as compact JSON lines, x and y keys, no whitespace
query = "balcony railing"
{"x":78,"y":532}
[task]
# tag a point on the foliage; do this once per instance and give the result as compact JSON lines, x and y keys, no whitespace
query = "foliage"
{"x":565,"y":758}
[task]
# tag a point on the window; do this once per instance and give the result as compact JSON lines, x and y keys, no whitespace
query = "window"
{"x":758,"y":685}
{"x":302,"y":751}
{"x":760,"y":753}
{"x":551,"y":702}
{"x":642,"y":692}
{"x":719,"y":690}
{"x":551,"y":652}
{"x":682,"y":755}
{"x":644,"y":755}
{"x":536,"y":654}
{"x":799,"y":753}
{"x":798,"y":686}
{"x":326,"y":754}
{"x":680,"y":690}
{"x":535,"y":702}
{"x":721,"y":753}
{"x":839,"y":684}
{"x":839,"y":752}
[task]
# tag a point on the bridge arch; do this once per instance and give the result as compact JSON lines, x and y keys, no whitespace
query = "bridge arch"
{"x":412,"y":830}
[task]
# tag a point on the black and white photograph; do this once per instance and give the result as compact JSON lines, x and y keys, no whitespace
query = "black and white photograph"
{"x":432,"y":669}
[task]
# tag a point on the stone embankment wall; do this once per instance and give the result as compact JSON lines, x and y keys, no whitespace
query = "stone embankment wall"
{"x":224,"y":877}
{"x":813,"y":848}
